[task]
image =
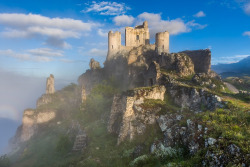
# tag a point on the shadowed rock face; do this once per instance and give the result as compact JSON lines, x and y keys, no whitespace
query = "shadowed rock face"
{"x":201,"y":60}
{"x":28,"y":125}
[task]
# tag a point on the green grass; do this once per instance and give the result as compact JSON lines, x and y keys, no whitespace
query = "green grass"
{"x":52,"y":147}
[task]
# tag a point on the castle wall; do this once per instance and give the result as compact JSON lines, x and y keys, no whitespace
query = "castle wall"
{"x":201,"y":60}
{"x":137,"y":36}
{"x":162,"y":42}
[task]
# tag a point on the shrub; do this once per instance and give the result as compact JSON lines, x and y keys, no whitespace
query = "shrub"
{"x":63,"y":145}
{"x":4,"y":161}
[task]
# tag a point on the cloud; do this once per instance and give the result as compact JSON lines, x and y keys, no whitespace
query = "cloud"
{"x":174,"y":27}
{"x":19,"y":92}
{"x":35,"y":55}
{"x":107,"y":8}
{"x":247,"y":33}
{"x":18,"y":25}
{"x":9,"y":112}
{"x":97,"y":52}
{"x":123,"y":20}
{"x":246,"y":8}
{"x":200,"y":14}
{"x":193,"y":24}
{"x":235,"y":4}
{"x":19,"y":20}
{"x":101,"y":33}
{"x":46,"y":52}
{"x":57,"y":43}
{"x":66,"y":60}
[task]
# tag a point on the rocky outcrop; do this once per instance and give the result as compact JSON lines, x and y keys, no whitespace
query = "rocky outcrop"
{"x":128,"y":117}
{"x":201,"y":60}
{"x":90,"y":78}
{"x":194,"y":99}
{"x":178,"y":63}
{"x":50,"y":85}
{"x":45,"y":116}
{"x":44,"y":99}
{"x":32,"y":119}
{"x":175,"y":133}
{"x":231,"y":154}
{"x":94,"y":64}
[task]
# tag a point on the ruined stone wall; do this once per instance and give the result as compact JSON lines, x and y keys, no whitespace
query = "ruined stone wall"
{"x":152,"y":75}
{"x":162,"y":42}
{"x":201,"y":60}
{"x":137,"y":36}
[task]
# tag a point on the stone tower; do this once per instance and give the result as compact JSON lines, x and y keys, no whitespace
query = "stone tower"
{"x":50,"y":85}
{"x":137,"y":36}
{"x":162,"y":42}
{"x":114,"y":43}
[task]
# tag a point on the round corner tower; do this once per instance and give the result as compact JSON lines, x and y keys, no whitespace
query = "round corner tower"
{"x":114,"y":41}
{"x":162,"y":42}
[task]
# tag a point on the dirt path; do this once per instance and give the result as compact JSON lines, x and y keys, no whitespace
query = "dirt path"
{"x":231,"y":87}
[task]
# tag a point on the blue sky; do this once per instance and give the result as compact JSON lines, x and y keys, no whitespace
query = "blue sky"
{"x":60,"y":36}
{"x":39,"y":37}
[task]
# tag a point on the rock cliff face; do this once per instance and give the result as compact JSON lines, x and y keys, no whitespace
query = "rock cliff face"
{"x":32,"y":119}
{"x":91,"y":78}
{"x":28,"y":125}
{"x":201,"y":60}
{"x":128,"y":118}
{"x":178,"y":63}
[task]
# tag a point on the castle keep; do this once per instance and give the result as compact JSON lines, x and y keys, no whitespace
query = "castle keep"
{"x":135,"y":37}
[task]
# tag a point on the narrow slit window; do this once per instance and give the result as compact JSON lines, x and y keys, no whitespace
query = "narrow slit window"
{"x":112,"y":47}
{"x":137,"y":37}
{"x":151,"y":83}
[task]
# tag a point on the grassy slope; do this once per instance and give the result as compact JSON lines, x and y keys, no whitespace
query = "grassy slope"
{"x":232,"y":123}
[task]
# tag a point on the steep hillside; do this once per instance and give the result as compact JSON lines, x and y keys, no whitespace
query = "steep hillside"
{"x":176,"y":120}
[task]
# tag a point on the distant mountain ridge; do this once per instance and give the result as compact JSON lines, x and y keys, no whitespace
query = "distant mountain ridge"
{"x":240,"y":68}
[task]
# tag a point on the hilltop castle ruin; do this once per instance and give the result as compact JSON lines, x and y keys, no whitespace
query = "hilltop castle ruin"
{"x":135,"y":37}
{"x":139,"y":63}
